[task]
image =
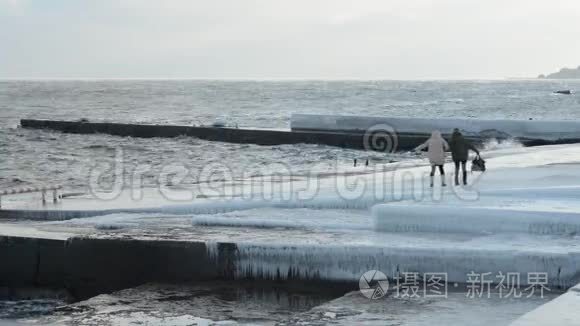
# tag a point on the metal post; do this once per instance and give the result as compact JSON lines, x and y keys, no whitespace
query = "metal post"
{"x":54,"y":196}
{"x":44,"y":197}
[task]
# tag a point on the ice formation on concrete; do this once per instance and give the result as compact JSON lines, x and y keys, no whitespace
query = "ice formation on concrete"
{"x":348,"y":263}
{"x":322,"y":202}
{"x":535,"y":129}
{"x":525,"y":219}
{"x":245,"y":222}
{"x":560,"y":193}
{"x":115,"y":221}
{"x":266,"y":223}
{"x":562,"y":311}
{"x":212,"y":249}
{"x":461,"y":219}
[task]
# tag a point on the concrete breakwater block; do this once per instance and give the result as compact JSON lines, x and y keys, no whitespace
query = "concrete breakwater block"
{"x":105,"y":265}
{"x":88,"y":267}
{"x":31,"y":262}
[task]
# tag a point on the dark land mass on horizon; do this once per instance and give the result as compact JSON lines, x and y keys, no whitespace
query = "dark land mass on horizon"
{"x":567,"y":73}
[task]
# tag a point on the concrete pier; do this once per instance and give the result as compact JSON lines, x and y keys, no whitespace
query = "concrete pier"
{"x":354,"y":140}
{"x":88,"y":267}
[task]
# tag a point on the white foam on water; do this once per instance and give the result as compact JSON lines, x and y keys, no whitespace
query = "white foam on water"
{"x":114,"y":221}
{"x":494,"y":144}
{"x":143,"y":318}
{"x":114,"y":226}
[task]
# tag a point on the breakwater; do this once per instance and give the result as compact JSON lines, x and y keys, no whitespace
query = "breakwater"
{"x":364,"y":139}
{"x":269,"y":137}
{"x":88,"y":267}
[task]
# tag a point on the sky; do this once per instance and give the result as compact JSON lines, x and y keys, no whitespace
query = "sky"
{"x":287,"y":39}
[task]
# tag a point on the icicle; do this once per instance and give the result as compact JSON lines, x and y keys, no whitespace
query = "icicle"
{"x":280,"y":261}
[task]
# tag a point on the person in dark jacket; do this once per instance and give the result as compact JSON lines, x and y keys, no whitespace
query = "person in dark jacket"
{"x":459,"y":153}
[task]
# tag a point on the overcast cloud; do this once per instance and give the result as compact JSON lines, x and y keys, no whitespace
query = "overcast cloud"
{"x":367,"y":39}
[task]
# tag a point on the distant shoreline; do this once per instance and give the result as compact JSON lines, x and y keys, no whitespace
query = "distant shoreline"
{"x":564,"y":73}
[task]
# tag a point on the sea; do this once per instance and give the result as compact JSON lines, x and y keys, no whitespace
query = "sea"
{"x":41,"y":157}
{"x":37,"y":157}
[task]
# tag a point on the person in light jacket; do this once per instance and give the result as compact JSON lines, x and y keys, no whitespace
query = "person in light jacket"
{"x":459,"y":152}
{"x":436,"y":147}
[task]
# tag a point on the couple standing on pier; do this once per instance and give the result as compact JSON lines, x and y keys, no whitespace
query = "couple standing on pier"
{"x":436,"y":147}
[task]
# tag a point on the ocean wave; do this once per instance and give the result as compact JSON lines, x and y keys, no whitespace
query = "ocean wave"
{"x":114,"y":226}
{"x":99,"y":146}
{"x":494,"y":144}
{"x":404,"y":104}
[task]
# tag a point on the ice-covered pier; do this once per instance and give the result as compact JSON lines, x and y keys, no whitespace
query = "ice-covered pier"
{"x":521,"y":217}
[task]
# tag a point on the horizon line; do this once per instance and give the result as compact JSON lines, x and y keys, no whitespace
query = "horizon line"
{"x":260,"y":79}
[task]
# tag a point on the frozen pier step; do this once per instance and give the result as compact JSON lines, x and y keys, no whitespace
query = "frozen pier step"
{"x":172,"y":251}
{"x":456,"y":258}
{"x":473,"y":220}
